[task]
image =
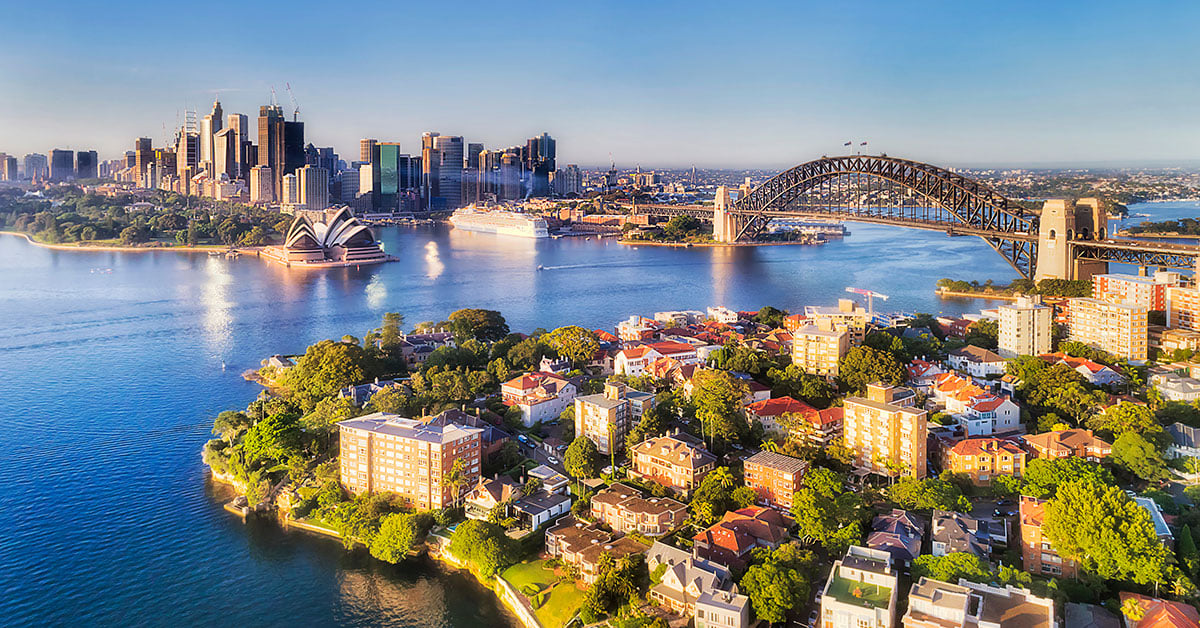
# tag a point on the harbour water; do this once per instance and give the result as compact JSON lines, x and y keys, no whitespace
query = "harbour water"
{"x":109,"y":382}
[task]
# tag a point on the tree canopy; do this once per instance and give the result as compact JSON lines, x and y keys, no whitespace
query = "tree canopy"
{"x":1043,"y":476}
{"x":580,"y":458}
{"x":928,"y":494}
{"x":1105,"y":531}
{"x":865,"y":365}
{"x":479,"y":324}
{"x":577,"y":344}
{"x":778,"y":581}
{"x":718,"y":399}
{"x":951,"y":567}
{"x":826,"y":513}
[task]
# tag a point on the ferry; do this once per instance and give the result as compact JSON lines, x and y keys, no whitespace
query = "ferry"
{"x":500,"y":222}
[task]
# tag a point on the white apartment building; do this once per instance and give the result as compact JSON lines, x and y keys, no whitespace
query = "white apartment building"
{"x":1026,"y":327}
{"x":1118,"y":328}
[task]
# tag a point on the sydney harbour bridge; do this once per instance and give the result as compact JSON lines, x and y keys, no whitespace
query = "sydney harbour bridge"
{"x":1063,"y":239}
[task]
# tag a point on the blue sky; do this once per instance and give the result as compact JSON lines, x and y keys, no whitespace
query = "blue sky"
{"x":670,"y":83}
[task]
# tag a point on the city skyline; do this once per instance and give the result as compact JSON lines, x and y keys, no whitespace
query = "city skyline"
{"x":663,"y":86}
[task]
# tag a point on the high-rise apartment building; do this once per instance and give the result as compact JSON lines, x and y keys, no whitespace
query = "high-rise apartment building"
{"x":37,"y":166}
{"x":8,"y":167}
{"x":225,"y":150}
{"x":774,"y":477}
{"x":86,"y":164}
{"x":1148,"y":292}
{"x":312,"y":183}
{"x":1183,"y":308}
{"x":848,"y":316}
{"x":62,"y":165}
{"x":262,"y":185}
{"x":143,"y":155}
{"x":1117,"y":328}
{"x":816,"y":349}
{"x":410,"y":457}
{"x":607,"y":417}
{"x":886,"y":432}
{"x":1038,"y":555}
{"x":187,"y":154}
{"x":1026,"y":327}
{"x":290,"y":190}
{"x":209,"y":126}
{"x":366,"y":148}
{"x":568,"y":181}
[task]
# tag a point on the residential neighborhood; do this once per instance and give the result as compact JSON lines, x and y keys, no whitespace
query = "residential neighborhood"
{"x":829,"y":468}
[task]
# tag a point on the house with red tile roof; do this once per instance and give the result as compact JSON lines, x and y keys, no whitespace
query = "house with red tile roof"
{"x":921,"y":374}
{"x":682,"y":351}
{"x":979,"y":412}
{"x":540,"y":396}
{"x":1067,"y":443}
{"x":604,"y":336}
{"x":771,"y":413}
{"x":1095,"y":373}
{"x":982,"y":459}
{"x":634,"y":360}
{"x":729,"y":541}
{"x":819,"y":427}
{"x":1159,"y":613}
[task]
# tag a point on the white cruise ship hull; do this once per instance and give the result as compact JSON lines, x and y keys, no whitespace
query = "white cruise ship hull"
{"x":479,"y":224}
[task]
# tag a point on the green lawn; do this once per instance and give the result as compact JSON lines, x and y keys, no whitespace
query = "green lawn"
{"x":561,"y":602}
{"x":560,"y":606}
{"x":871,"y":596}
{"x":534,"y":573}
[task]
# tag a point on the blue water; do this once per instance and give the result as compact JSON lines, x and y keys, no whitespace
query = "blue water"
{"x":108,"y":383}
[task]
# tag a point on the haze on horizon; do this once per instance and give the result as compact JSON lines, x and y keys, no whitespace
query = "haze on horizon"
{"x":667,"y":84}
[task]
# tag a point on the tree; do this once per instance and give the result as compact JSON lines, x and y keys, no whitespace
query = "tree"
{"x":617,"y":582}
{"x":398,"y":533}
{"x":778,"y":582}
{"x":716,"y":496}
{"x":718,"y":397}
{"x":390,"y":399}
{"x":1124,"y":418}
{"x":479,"y":324}
{"x":529,"y":352}
{"x":1132,"y":609}
{"x":770,"y":316}
{"x":1043,"y":476}
{"x":390,"y":331}
{"x":865,"y":365}
{"x":1105,"y":531}
{"x":928,"y":494}
{"x":327,"y":367}
{"x":951,"y":567}
{"x":456,"y":478}
{"x":229,"y":424}
{"x":1138,"y":456}
{"x":983,"y":333}
{"x":277,"y":437}
{"x":575,"y":343}
{"x":483,"y":545}
{"x":826,"y":513}
{"x":580,"y":458}
{"x":133,"y":235}
{"x":322,"y":420}
{"x":793,"y":382}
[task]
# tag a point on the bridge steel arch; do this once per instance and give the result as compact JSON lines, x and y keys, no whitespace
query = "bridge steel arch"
{"x":972,"y":208}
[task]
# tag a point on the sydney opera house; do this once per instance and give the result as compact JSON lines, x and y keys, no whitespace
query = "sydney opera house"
{"x":340,"y":240}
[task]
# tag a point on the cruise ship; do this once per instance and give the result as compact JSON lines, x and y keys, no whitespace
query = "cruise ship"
{"x":499,"y":222}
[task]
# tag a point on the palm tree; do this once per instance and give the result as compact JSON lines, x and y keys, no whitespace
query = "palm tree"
{"x":456,"y":477}
{"x":1132,"y":609}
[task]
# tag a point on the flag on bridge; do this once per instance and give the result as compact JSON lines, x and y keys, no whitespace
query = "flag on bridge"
{"x":847,"y":144}
{"x":863,"y":144}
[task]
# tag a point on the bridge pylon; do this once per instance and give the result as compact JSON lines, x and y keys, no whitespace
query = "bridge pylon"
{"x":726,"y":224}
{"x":1062,"y":224}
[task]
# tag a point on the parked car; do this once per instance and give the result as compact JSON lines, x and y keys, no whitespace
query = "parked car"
{"x":552,"y":459}
{"x":1004,"y":513}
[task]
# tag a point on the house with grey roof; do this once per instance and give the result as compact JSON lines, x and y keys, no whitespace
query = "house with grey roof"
{"x":955,"y":532}
{"x":899,"y":533}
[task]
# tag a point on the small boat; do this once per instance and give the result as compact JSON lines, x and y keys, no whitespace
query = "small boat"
{"x":540,"y":267}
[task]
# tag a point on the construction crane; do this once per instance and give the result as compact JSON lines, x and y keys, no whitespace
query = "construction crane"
{"x":871,"y":296}
{"x":295,"y":106}
{"x":274,"y":101}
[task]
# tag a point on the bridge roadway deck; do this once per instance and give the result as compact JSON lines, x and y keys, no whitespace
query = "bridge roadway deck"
{"x":952,"y":229}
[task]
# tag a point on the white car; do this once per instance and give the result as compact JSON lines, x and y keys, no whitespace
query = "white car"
{"x":552,"y":459}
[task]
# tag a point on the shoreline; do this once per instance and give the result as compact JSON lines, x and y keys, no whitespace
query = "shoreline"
{"x":684,"y":245}
{"x":433,"y":551}
{"x":200,"y":248}
{"x":976,"y":295}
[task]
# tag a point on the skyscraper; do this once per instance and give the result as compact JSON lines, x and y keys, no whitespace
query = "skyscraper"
{"x":293,"y":146}
{"x":8,"y":167}
{"x":143,"y":154}
{"x":243,"y":157}
{"x":226,"y":147}
{"x":209,"y":126}
{"x":568,"y":181}
{"x":187,"y":154}
{"x":431,"y":160}
{"x":36,"y":166}
{"x":62,"y":165}
{"x":85,"y":164}
{"x":366,"y":148}
{"x":312,"y":184}
{"x":450,"y":171}
{"x":539,"y":157}
{"x":262,"y":185}
{"x":270,"y":145}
